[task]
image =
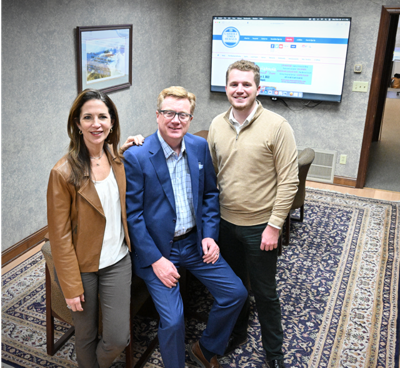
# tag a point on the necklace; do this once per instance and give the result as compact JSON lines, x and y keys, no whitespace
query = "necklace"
{"x":98,"y":157}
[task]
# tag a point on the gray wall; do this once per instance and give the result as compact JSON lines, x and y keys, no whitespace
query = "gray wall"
{"x":171,"y":46}
{"x":330,"y":126}
{"x":39,"y":84}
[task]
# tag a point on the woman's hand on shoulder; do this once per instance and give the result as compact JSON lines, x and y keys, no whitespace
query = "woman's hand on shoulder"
{"x":75,"y":304}
{"x":136,"y":139}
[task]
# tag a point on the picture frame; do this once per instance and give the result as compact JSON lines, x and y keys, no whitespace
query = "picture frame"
{"x":105,"y":57}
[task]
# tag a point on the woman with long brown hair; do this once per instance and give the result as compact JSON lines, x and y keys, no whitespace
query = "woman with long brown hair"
{"x":88,"y":231}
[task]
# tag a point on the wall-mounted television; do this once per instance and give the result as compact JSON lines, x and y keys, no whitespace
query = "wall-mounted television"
{"x":299,"y":57}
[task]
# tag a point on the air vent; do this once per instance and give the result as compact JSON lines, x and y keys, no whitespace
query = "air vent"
{"x":323,"y":167}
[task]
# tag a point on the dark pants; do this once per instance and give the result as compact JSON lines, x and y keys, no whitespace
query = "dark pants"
{"x":111,"y":286}
{"x":226,"y":288}
{"x":240,"y":246}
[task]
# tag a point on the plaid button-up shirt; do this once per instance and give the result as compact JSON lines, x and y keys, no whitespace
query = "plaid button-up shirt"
{"x":178,"y":168}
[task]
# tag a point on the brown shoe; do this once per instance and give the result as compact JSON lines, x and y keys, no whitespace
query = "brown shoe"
{"x":197,"y":356}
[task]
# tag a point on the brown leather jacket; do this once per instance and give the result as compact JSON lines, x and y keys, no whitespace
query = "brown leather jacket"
{"x":76,"y":223}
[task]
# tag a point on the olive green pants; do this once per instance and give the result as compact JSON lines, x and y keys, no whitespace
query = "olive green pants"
{"x":111,"y":287}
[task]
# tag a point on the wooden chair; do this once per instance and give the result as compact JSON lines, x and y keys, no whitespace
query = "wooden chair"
{"x":56,"y":307}
{"x":306,"y":157}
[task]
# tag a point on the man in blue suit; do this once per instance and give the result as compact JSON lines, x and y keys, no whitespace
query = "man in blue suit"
{"x":173,"y":218}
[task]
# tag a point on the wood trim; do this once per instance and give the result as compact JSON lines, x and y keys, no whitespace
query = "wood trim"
{"x":16,"y":250}
{"x":345,"y":182}
{"x":385,"y":78}
{"x":375,"y":90}
{"x":341,"y":181}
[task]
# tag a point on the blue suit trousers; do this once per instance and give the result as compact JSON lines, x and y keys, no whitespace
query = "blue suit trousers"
{"x":229,"y":297}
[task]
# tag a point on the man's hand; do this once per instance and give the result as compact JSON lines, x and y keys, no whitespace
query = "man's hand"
{"x":137,"y":139}
{"x":75,"y":304}
{"x":210,"y":250}
{"x":269,"y":239}
{"x":166,"y":271}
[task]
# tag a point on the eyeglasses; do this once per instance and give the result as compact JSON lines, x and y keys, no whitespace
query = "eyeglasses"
{"x":169,"y":114}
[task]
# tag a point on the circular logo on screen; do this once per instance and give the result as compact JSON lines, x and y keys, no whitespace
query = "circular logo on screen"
{"x":230,"y":37}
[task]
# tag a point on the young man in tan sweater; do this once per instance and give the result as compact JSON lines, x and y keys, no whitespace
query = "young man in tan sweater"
{"x":255,"y":158}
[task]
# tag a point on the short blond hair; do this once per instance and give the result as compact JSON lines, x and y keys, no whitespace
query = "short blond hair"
{"x":177,"y":92}
{"x":245,"y":66}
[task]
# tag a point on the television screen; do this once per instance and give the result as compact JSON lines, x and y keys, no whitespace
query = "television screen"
{"x":299,"y":58}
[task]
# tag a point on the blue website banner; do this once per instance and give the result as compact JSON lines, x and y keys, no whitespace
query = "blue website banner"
{"x":341,"y":41}
{"x":286,"y":73}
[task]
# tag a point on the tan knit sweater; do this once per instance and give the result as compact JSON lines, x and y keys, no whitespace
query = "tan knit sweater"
{"x":257,"y":169}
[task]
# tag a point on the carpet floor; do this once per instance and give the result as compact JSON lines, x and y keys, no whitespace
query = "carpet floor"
{"x":338,"y":282}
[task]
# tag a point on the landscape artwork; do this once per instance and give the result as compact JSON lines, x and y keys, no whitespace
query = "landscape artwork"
{"x":105,"y":58}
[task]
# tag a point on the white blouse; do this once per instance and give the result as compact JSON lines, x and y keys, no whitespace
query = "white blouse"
{"x":114,"y":247}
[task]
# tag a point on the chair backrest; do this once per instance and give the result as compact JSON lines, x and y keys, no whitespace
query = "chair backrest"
{"x":306,"y":157}
{"x":58,"y":304}
{"x":202,"y":133}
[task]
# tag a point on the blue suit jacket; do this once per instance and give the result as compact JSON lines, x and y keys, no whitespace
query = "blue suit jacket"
{"x":150,"y":202}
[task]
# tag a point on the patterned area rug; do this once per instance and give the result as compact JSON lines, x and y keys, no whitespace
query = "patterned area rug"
{"x":338,"y":282}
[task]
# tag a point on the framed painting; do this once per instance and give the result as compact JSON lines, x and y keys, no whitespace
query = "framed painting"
{"x":105,"y":57}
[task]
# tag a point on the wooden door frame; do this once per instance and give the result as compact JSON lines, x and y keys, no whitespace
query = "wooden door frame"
{"x":379,"y":84}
